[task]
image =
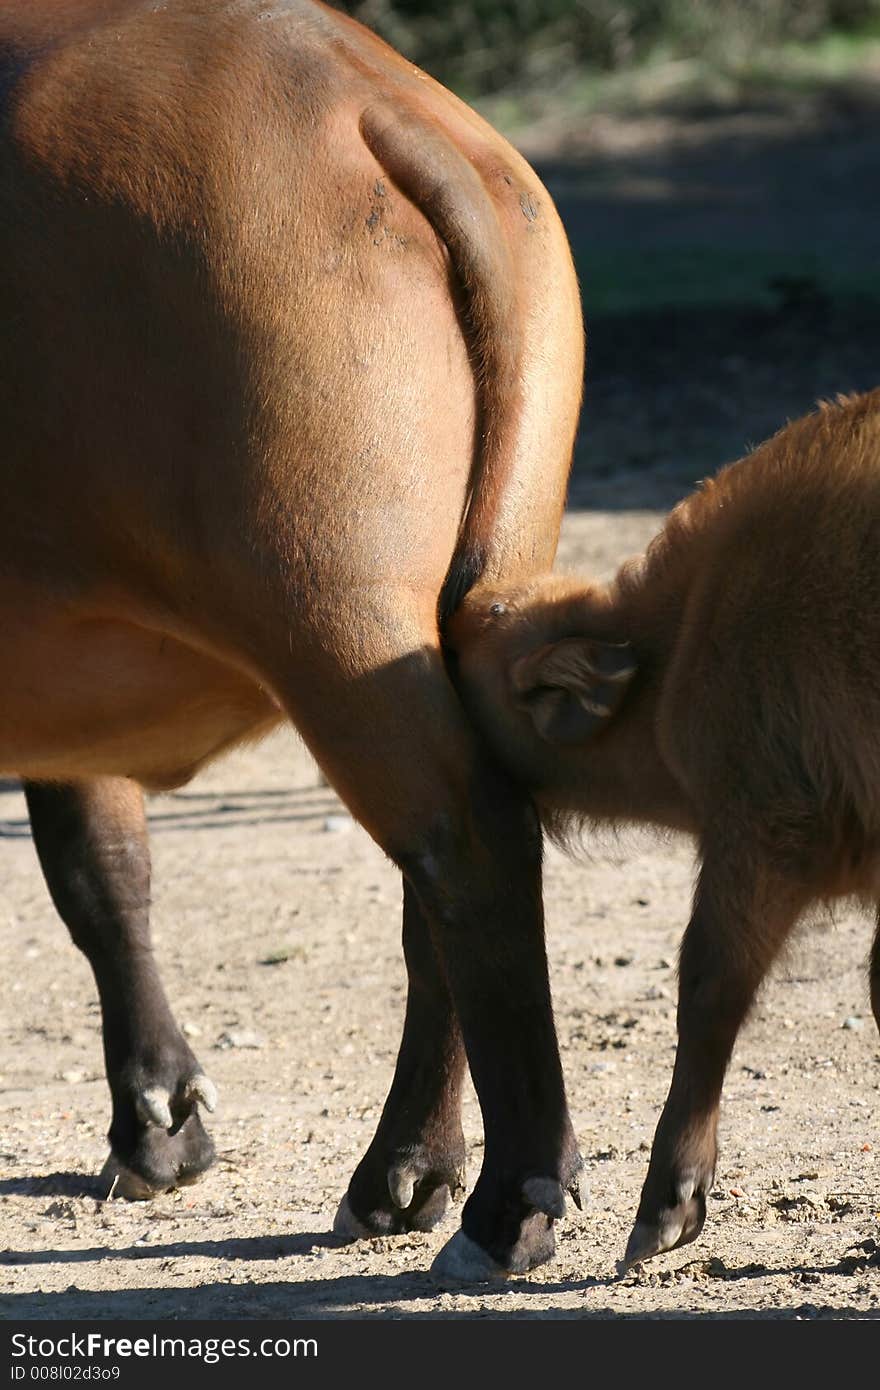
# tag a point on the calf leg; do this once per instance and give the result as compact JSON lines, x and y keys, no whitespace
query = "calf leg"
{"x":91,"y":839}
{"x":415,"y":1164}
{"x":395,"y":744}
{"x":742,"y":915}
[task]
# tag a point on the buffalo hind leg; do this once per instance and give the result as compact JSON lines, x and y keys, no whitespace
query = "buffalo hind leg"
{"x":396,"y":745}
{"x":742,"y":915}
{"x":91,"y":839}
{"x":415,"y":1165}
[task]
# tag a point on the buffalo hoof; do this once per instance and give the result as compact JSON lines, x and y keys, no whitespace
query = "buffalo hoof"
{"x":163,"y":1143}
{"x":347,"y":1226}
{"x":117,"y":1180}
{"x":462,"y":1261}
{"x":408,"y":1189}
{"x":417,"y":1215}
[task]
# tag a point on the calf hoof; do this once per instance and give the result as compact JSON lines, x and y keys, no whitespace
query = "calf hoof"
{"x":163,"y":1143}
{"x":675,"y":1226}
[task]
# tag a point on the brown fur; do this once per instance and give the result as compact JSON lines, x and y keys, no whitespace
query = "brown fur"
{"x":728,"y":684}
{"x":291,"y":346}
{"x":169,"y":241}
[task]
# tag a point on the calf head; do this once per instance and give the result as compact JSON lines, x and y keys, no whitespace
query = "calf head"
{"x":543,"y":673}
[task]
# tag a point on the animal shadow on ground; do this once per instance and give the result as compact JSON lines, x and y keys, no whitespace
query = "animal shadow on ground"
{"x":193,"y":810}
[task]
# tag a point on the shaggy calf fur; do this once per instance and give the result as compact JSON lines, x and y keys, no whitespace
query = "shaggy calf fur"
{"x":727,"y":683}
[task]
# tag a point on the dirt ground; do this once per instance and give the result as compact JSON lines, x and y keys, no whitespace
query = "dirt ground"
{"x":277,"y":919}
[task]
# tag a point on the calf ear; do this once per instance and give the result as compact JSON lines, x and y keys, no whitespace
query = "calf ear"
{"x":573,"y":687}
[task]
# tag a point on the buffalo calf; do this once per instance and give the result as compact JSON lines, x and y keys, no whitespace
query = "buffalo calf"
{"x":727,"y":684}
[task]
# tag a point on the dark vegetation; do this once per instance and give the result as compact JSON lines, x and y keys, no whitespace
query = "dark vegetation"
{"x":487,"y":45}
{"x":717,"y":167}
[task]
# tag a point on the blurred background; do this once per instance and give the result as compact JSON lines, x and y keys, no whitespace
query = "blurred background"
{"x":717,"y":167}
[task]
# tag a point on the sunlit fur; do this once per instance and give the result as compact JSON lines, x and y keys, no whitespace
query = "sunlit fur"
{"x":754,"y":623}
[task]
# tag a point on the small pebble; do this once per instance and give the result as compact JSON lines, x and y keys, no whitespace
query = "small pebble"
{"x":241,"y":1039}
{"x":338,"y":824}
{"x":854,"y":1024}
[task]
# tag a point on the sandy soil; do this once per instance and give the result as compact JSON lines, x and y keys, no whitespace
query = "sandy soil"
{"x":277,"y":923}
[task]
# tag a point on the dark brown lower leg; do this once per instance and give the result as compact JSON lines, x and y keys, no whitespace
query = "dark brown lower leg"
{"x":415,"y":1162}
{"x":396,"y":745}
{"x":742,"y":915}
{"x":92,"y":844}
{"x":487,"y":920}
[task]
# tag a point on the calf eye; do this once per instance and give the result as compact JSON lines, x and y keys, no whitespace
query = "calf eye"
{"x":497,"y":609}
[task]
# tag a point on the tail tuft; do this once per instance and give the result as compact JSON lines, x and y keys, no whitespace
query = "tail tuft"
{"x":465,"y":571}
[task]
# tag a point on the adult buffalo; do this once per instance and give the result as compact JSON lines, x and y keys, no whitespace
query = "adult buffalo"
{"x":291,"y":355}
